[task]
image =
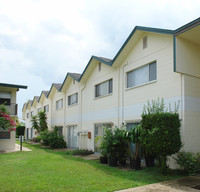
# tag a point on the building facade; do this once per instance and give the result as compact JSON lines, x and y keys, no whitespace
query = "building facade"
{"x":152,"y":63}
{"x":8,"y":97}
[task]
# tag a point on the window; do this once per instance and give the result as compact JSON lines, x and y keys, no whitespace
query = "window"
{"x":104,"y":88}
{"x":130,"y":126}
{"x":59,"y":104}
{"x":144,"y":42}
{"x":46,"y":108}
{"x":5,"y":98}
{"x":99,"y":133}
{"x":27,"y":115}
{"x":32,"y":113}
{"x":100,"y":66}
{"x":4,"y":134}
{"x":73,"y":99}
{"x":60,"y":131}
{"x":141,"y":75}
{"x":39,"y":109}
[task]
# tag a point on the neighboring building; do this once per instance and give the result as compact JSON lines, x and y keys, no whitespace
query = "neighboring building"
{"x":151,"y":63}
{"x":8,"y":97}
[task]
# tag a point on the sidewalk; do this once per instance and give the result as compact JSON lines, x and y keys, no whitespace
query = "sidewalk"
{"x":17,"y":148}
{"x":186,"y":184}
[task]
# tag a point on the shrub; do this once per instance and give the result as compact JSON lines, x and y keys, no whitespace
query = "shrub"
{"x":20,"y":130}
{"x":134,"y":138}
{"x":6,"y":121}
{"x":81,"y":152}
{"x":160,"y":134}
{"x":52,"y":139}
{"x":37,"y":139}
{"x":190,"y":162}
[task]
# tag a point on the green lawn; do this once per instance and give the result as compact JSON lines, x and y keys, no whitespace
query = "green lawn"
{"x":48,"y":170}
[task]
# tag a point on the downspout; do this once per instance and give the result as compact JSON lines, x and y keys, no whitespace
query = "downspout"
{"x":80,"y":114}
{"x":123,"y":82}
{"x":65,"y":108}
{"x":118,"y":96}
{"x":81,"y":105}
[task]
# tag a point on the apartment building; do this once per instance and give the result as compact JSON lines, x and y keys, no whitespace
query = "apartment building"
{"x":152,"y":63}
{"x":8,"y":97}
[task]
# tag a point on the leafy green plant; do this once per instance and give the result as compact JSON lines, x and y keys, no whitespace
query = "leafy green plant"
{"x":34,"y":121}
{"x":81,"y":152}
{"x":42,"y":121}
{"x":6,"y":121}
{"x":134,"y":137}
{"x":20,"y":130}
{"x":37,"y":139}
{"x":39,"y":122}
{"x":190,"y":162}
{"x":160,"y":133}
{"x":52,"y":139}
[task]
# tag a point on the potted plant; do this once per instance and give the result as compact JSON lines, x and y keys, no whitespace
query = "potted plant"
{"x":110,"y":142}
{"x":103,"y":150}
{"x":135,"y":149}
{"x":123,"y":141}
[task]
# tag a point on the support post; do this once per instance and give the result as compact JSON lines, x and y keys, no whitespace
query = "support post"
{"x":20,"y":143}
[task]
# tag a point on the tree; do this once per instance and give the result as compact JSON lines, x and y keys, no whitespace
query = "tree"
{"x":39,"y":121}
{"x":42,"y":121}
{"x":34,"y":121}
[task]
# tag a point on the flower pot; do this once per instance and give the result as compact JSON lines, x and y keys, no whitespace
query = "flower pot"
{"x":135,"y":163}
{"x":103,"y":160}
{"x":122,"y":161}
{"x":112,"y":161}
{"x":150,"y":159}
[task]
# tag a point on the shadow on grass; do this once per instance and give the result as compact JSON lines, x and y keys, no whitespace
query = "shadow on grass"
{"x":143,"y":176}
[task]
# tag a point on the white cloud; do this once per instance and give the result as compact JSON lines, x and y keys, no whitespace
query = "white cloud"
{"x":42,"y":40}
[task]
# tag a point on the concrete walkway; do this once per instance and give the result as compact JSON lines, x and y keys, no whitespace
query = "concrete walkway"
{"x":186,"y":184}
{"x":17,"y":148}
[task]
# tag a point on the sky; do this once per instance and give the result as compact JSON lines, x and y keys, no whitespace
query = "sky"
{"x":42,"y":40}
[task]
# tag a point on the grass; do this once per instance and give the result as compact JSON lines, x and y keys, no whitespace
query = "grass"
{"x":49,"y":170}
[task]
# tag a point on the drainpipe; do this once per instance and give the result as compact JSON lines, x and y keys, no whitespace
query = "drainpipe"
{"x":123,"y":82}
{"x":64,"y":124}
{"x":118,"y":96}
{"x":81,"y":102}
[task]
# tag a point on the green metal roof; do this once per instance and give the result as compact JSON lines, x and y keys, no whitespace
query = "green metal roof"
{"x":187,"y":26}
{"x":13,"y":86}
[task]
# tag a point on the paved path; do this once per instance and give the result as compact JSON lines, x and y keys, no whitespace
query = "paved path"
{"x":186,"y":184}
{"x":17,"y":148}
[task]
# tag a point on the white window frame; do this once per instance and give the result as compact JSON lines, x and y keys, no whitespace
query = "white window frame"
{"x":70,"y":99}
{"x":133,"y":74}
{"x":59,"y":104}
{"x":32,"y":113}
{"x":107,"y":92}
{"x":39,"y":109}
{"x":46,"y":108}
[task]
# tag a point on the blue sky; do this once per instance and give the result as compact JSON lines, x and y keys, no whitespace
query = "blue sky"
{"x":42,"y":40}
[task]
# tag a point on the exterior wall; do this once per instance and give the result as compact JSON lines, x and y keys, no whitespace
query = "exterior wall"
{"x":72,"y":111}
{"x":187,"y":57}
{"x":11,"y":109}
{"x":167,"y":86}
{"x":57,"y":117}
{"x":47,"y":101}
{"x":8,"y":144}
{"x":33,"y":108}
{"x":191,"y":131}
{"x":38,"y":105}
{"x":102,"y":109}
